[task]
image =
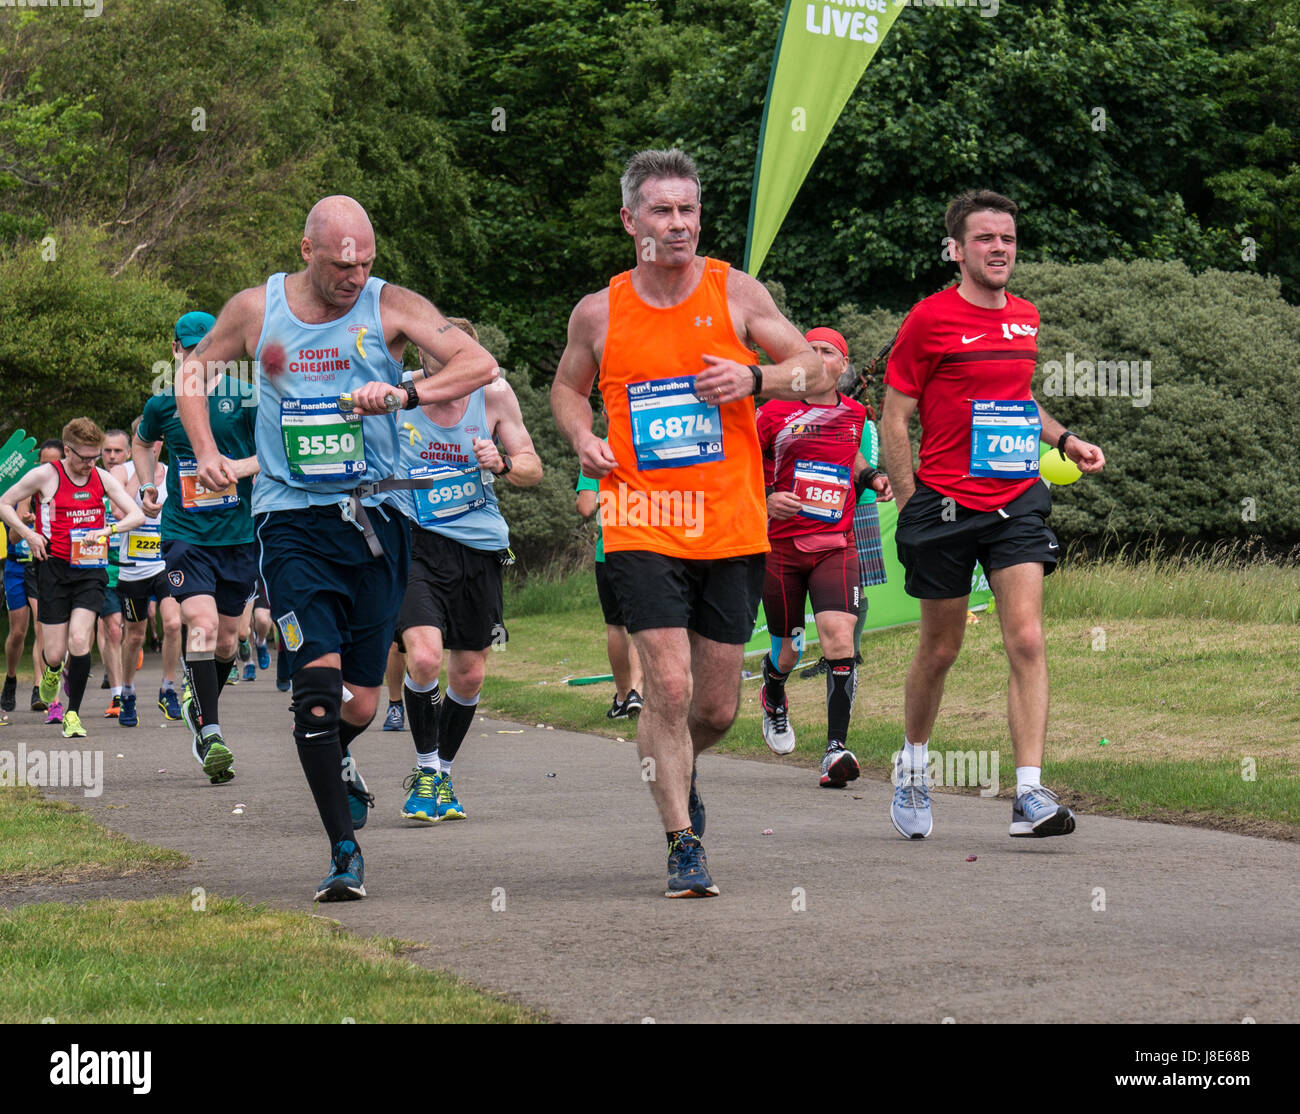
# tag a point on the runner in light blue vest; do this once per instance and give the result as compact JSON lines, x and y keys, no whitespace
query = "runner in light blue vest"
{"x":334,"y":543}
{"x":459,"y":546}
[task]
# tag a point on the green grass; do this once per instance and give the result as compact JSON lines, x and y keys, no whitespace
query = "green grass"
{"x":163,"y":961}
{"x":1182,"y":691}
{"x":55,"y":842}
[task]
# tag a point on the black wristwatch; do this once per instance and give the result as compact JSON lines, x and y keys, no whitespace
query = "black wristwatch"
{"x":1060,"y":445}
{"x":758,"y":378}
{"x":505,"y":458}
{"x":412,"y":395}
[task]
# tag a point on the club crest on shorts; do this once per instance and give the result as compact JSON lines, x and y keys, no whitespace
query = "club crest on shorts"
{"x":290,"y":630}
{"x":176,"y":578}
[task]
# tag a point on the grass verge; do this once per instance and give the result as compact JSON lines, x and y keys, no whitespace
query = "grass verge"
{"x":1185,"y":670}
{"x":164,"y":961}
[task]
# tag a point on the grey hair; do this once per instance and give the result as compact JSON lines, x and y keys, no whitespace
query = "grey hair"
{"x":644,"y":165}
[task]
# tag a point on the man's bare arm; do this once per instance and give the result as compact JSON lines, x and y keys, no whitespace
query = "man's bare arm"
{"x":507,"y":423}
{"x":571,"y":390}
{"x":896,"y":445}
{"x":31,"y":484}
{"x":1086,"y":455}
{"x":798,"y":370}
{"x":129,"y":515}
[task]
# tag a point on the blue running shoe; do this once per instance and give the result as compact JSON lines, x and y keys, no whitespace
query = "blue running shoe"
{"x":360,"y":800}
{"x":250,"y":672}
{"x":695,"y":807}
{"x":245,"y":651}
{"x":169,"y":704}
{"x":346,"y":880}
{"x":422,"y":803}
{"x":263,"y":656}
{"x":127,"y":717}
{"x":449,"y":808}
{"x":910,"y":810}
{"x":1040,"y":813}
{"x":688,"y":870}
{"x":396,"y":718}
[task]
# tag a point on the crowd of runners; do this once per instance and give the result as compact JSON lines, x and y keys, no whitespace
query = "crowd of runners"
{"x":349,"y":502}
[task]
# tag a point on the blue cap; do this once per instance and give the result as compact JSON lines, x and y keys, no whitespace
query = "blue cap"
{"x":192,"y":327}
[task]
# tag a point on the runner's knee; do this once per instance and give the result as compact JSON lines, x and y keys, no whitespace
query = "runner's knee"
{"x":317,"y":701}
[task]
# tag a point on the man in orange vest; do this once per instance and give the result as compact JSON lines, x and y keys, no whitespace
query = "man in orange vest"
{"x":682,"y":507}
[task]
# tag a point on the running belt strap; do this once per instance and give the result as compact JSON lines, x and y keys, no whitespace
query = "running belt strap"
{"x":354,"y":510}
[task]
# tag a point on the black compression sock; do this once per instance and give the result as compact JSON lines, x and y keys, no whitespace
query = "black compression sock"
{"x":423,"y":711}
{"x":204,"y":687}
{"x":773,"y":683}
{"x":841,"y":687}
{"x":453,"y":724}
{"x":78,"y":671}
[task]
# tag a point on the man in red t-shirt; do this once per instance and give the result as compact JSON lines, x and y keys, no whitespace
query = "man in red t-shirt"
{"x":813,"y":472}
{"x":963,"y":362}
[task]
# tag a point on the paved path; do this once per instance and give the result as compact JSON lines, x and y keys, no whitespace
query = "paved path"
{"x":1196,"y":926}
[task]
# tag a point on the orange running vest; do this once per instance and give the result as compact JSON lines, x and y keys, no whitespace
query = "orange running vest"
{"x":698,"y":511}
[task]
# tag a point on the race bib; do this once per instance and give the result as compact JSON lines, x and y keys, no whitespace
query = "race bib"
{"x":671,"y":428}
{"x":1004,"y":439}
{"x":88,"y":549}
{"x":456,"y":492}
{"x":196,"y":497}
{"x":320,"y":443}
{"x":823,"y":490}
{"x":144,"y":543}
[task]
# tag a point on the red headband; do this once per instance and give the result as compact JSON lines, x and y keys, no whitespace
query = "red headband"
{"x":829,"y":336}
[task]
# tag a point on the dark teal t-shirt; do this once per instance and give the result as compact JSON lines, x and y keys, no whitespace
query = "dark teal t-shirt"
{"x":234,"y":420}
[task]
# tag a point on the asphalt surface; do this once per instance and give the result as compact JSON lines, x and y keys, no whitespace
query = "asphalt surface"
{"x":551,"y":892}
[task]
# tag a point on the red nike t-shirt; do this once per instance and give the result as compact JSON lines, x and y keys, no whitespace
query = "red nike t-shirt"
{"x":810,"y":449}
{"x":948,"y":354}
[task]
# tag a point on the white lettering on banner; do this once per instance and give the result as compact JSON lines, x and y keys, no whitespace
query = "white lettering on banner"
{"x":857,"y":26}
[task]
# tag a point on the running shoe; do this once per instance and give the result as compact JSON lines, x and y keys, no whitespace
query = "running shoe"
{"x":127,"y":716}
{"x":233,"y":679}
{"x":449,"y":808}
{"x":250,"y":672}
{"x":72,"y":728}
{"x":360,"y":800}
{"x":396,"y":718}
{"x":49,"y":686}
{"x":616,"y":709}
{"x":346,"y":878}
{"x":422,"y":803}
{"x":633,"y":704}
{"x":55,"y":714}
{"x":38,"y":705}
{"x":839,"y":767}
{"x":1039,"y":812}
{"x":695,"y":808}
{"x":263,"y":656}
{"x":168,"y":703}
{"x":210,"y":752}
{"x":114,"y":708}
{"x":819,"y":667}
{"x":688,"y":870}
{"x":104,"y":683}
{"x":910,"y":810}
{"x":245,"y":650}
{"x":777,"y":732}
{"x":9,"y":698}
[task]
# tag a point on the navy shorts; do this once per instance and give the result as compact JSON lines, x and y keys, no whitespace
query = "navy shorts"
{"x":15,"y":584}
{"x":112,"y":603}
{"x":228,"y":573}
{"x":328,"y":595}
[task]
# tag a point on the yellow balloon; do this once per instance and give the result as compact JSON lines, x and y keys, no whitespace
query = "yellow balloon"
{"x":1057,"y":469}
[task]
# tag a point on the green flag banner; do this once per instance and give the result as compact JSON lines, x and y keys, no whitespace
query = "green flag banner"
{"x":16,"y":456}
{"x":888,"y":604}
{"x":821,"y":52}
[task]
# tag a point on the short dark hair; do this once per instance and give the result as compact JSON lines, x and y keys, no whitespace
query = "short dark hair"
{"x":975,"y":201}
{"x":644,"y":165}
{"x":51,"y":443}
{"x":117,"y":433}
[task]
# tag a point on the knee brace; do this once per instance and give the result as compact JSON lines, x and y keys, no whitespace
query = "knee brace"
{"x":317,"y":701}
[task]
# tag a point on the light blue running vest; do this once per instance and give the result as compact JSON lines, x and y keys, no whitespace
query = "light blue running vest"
{"x":322,"y":362}
{"x":462,"y":506}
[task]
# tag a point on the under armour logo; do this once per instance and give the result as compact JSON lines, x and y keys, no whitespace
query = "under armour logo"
{"x":705,"y":321}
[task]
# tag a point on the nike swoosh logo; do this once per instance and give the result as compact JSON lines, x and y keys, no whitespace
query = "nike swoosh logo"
{"x":315,"y":734}
{"x":1052,"y":545}
{"x":967,"y":340}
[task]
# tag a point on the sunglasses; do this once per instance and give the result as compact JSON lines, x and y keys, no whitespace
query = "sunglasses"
{"x":82,"y":456}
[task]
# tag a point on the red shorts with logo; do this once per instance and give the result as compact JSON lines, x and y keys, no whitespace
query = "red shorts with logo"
{"x":828,"y":578}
